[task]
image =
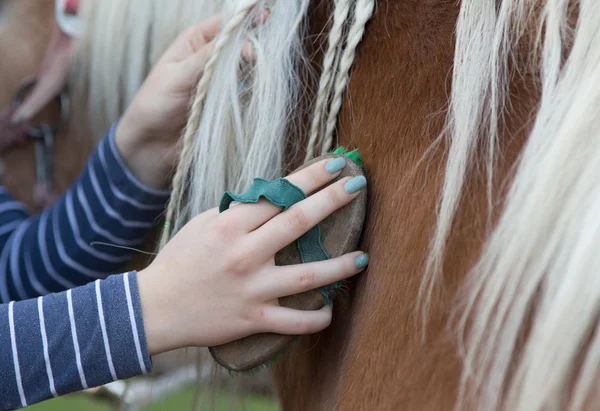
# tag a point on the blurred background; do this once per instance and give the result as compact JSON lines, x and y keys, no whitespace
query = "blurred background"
{"x":185,"y":380}
{"x":186,"y":400}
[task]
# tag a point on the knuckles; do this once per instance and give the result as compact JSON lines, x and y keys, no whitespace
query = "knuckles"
{"x":306,"y":326}
{"x":225,"y":230}
{"x":337,"y":195}
{"x":316,"y":178}
{"x":306,"y":280}
{"x":303,"y":327}
{"x":241,"y":260}
{"x":297,"y":219}
{"x":257,"y":316}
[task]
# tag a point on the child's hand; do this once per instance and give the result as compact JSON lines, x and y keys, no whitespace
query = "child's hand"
{"x":216,"y":280}
{"x":147,"y":134}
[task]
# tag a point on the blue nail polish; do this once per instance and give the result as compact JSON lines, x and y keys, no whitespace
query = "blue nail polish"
{"x":362,"y":261}
{"x":335,"y":165}
{"x":355,"y":184}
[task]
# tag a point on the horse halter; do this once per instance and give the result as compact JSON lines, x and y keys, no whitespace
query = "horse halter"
{"x":36,"y":93}
{"x":43,"y":137}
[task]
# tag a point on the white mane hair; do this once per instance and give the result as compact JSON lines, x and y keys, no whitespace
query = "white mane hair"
{"x":243,"y":112}
{"x":531,"y":302}
{"x":111,"y":64}
{"x":121,"y":42}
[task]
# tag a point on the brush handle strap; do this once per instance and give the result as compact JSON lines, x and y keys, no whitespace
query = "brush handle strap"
{"x":283,"y":194}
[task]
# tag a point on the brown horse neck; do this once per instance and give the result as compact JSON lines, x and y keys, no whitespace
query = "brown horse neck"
{"x":374,"y":355}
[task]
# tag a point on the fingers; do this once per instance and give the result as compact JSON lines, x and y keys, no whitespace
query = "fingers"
{"x":287,"y":321}
{"x":193,"y":66}
{"x":248,"y":53}
{"x":196,"y":45}
{"x":199,"y":35}
{"x":208,"y":29}
{"x":196,"y":37}
{"x":275,"y":282}
{"x":251,"y":216}
{"x":301,"y":217}
{"x":260,"y":16}
{"x":192,"y":40}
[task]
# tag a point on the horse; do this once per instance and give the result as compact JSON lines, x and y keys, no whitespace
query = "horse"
{"x":480,"y":292}
{"x":476,"y":124}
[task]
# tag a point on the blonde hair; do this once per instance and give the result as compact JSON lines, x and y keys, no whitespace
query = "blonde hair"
{"x":111,"y":65}
{"x":234,"y":135}
{"x":540,"y":262}
{"x":109,"y":68}
{"x":540,"y":265}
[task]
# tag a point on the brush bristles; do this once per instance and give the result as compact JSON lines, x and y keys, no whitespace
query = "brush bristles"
{"x":353,"y":155}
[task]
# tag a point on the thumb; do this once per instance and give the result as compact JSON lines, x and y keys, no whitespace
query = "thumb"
{"x":193,"y":66}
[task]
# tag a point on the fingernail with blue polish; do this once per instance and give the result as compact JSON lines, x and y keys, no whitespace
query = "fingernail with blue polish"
{"x":355,"y":184}
{"x":362,"y":261}
{"x":335,"y":165}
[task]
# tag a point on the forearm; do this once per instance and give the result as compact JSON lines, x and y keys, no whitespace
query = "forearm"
{"x":70,"y":341}
{"x":55,"y":250}
{"x":149,"y":159}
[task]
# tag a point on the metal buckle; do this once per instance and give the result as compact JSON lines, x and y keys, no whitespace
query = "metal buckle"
{"x":43,"y":156}
{"x":62,"y":99}
{"x":43,"y":137}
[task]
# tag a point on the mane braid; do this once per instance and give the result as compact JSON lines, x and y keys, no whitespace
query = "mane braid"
{"x":334,"y":47}
{"x":527,"y":313}
{"x":362,"y":14}
{"x":179,"y":180}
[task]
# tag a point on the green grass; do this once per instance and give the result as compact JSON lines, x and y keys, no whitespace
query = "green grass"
{"x":182,"y":401}
{"x":70,"y":403}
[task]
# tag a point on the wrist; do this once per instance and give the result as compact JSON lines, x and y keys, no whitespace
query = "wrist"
{"x":157,"y":312}
{"x":145,"y":157}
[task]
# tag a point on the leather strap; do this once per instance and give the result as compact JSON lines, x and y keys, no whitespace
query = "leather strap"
{"x":284,"y":194}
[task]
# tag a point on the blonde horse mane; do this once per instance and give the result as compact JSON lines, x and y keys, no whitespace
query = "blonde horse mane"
{"x":111,"y":65}
{"x":108,"y":69}
{"x":243,"y":112}
{"x":529,"y":310}
{"x":530,"y":306}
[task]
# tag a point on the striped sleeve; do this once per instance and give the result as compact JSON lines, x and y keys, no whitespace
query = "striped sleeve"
{"x":73,"y":340}
{"x":60,"y":248}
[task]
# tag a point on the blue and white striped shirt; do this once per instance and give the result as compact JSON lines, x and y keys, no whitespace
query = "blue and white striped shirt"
{"x":65,"y":341}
